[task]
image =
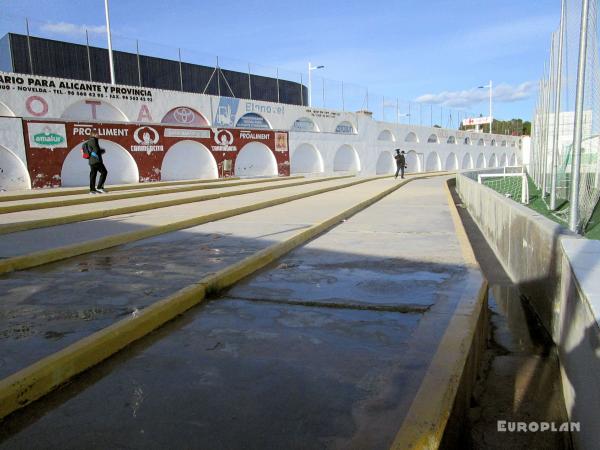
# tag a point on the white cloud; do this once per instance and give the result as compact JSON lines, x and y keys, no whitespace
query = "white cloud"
{"x":72,"y":29}
{"x":503,"y":93}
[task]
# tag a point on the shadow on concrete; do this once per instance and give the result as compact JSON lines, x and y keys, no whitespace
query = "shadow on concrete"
{"x":519,"y":379}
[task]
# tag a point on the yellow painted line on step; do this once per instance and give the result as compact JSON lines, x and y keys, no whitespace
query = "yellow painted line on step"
{"x":137,"y":193}
{"x":425,"y":422}
{"x":115,"y":211}
{"x":59,"y":253}
{"x":40,"y":378}
{"x":59,"y":192}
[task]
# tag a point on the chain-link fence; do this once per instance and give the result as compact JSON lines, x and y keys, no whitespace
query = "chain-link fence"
{"x":38,"y":47}
{"x":566,"y":123}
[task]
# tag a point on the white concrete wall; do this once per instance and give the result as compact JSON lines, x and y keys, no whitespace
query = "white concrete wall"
{"x":560,"y":274}
{"x":371,"y":140}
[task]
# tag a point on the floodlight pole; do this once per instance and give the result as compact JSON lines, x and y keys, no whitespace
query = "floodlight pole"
{"x":310,"y":69}
{"x":110,"y":52}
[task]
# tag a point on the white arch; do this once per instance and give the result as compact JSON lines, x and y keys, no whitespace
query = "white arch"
{"x":13,"y":173}
{"x":503,"y":143}
{"x":433,"y":139}
{"x":503,"y":160}
{"x":253,"y":121}
{"x":413,"y":162}
{"x":451,"y":162}
{"x":513,"y":159}
{"x":94,"y":109}
{"x":451,"y":140}
{"x":255,"y":159}
{"x":385,"y":163}
{"x":121,"y":166}
{"x":306,"y":159}
{"x":493,"y":161}
{"x":6,"y":111}
{"x":481,"y":163}
{"x":386,"y":135}
{"x":481,"y":142}
{"x":433,"y":163}
{"x":467,"y":141}
{"x":411,"y":137}
{"x":188,"y":160}
{"x":346,"y":160}
{"x":467,"y":161}
{"x":493,"y":143}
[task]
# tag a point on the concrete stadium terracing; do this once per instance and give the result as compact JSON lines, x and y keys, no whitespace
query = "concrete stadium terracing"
{"x":192,"y":308}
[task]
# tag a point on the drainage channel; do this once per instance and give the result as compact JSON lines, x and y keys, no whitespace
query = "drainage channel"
{"x":519,"y":379}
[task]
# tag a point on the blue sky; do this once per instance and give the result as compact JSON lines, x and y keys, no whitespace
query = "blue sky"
{"x":433,"y":50}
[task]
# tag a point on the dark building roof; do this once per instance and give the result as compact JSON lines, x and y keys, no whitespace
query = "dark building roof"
{"x":80,"y":62}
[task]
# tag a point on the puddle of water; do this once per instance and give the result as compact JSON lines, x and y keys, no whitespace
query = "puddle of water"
{"x":520,"y":380}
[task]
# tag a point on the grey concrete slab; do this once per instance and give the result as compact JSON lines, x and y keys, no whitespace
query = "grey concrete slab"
{"x":275,"y":363}
{"x":29,"y":241}
{"x":49,"y":213}
{"x":153,"y":191}
{"x":42,"y":310}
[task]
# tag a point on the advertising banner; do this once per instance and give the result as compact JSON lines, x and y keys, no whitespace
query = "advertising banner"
{"x":253,"y":120}
{"x":47,"y":135}
{"x":475,"y":121}
{"x":50,"y":143}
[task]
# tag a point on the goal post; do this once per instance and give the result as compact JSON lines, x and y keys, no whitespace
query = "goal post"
{"x":511,"y":185}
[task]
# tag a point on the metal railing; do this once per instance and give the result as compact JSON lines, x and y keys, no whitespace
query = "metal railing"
{"x":565,"y":163}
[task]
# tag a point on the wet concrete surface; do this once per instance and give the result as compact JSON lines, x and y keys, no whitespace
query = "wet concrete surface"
{"x":43,"y":310}
{"x":521,"y":379}
{"x":324,"y":349}
{"x":520,"y":374}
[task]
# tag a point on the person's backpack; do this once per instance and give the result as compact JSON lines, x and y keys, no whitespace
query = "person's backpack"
{"x":85,"y":151}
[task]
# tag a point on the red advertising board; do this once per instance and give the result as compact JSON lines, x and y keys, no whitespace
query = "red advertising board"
{"x":47,"y":145}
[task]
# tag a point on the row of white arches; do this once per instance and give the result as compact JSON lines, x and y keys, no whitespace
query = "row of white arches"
{"x":189,"y":159}
{"x":411,"y":137}
{"x":306,"y":158}
{"x":185,"y":160}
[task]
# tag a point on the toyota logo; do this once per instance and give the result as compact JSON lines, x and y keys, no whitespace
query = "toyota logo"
{"x":184,"y":115}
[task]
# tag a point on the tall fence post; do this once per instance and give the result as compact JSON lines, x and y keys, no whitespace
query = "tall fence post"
{"x":250,"y":82}
{"x":549,"y":83}
{"x":139,"y":66}
{"x":277,"y":69}
{"x":431,"y":115}
{"x":29,"y":46}
{"x":578,"y":120}
{"x":558,"y":87}
{"x":181,"y":71}
{"x":87,"y":46}
{"x":218,"y":78}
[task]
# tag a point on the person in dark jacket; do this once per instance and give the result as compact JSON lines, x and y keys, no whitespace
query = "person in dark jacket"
{"x":96,"y":164}
{"x":400,"y":163}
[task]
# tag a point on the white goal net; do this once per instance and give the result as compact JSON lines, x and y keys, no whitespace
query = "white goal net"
{"x":511,"y":184}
